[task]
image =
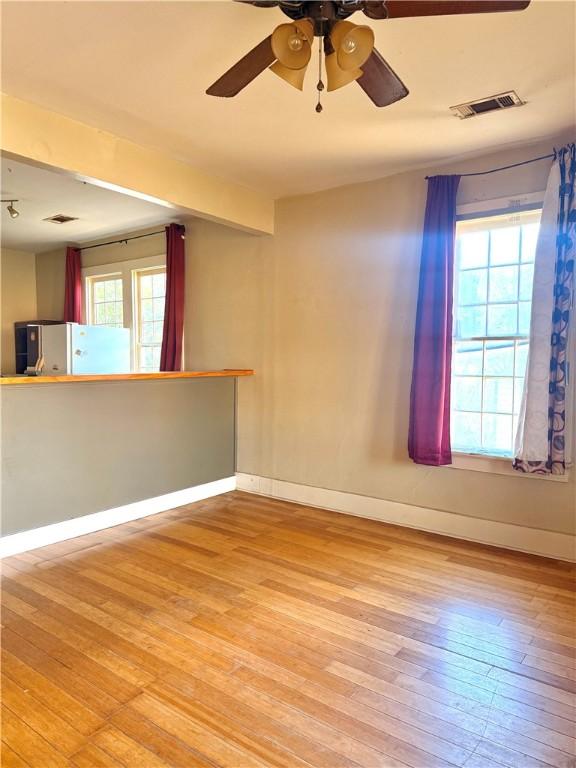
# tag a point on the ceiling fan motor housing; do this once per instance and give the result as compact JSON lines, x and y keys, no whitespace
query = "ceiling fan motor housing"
{"x":325,"y":13}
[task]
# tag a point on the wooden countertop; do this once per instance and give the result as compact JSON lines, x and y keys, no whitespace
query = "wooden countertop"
{"x":124,"y":376}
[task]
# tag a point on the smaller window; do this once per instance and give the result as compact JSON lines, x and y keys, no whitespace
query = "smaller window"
{"x":105,"y":301}
{"x":150,"y":295}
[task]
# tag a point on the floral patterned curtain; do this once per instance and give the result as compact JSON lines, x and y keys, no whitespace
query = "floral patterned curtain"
{"x":545,"y":437}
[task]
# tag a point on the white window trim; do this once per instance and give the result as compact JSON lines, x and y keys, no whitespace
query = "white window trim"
{"x":500,"y":205}
{"x":125,"y":269}
{"x":480,"y":462}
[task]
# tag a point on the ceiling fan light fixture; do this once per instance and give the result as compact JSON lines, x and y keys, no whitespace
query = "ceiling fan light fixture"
{"x":338,"y":77}
{"x":291,"y":45}
{"x":352,"y":43}
{"x":294,"y":77}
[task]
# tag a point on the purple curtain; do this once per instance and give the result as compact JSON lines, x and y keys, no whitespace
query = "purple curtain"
{"x":429,"y":436}
{"x":171,"y":352}
{"x":73,"y":287}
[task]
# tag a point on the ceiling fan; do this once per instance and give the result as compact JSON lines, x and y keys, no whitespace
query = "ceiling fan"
{"x":350,"y":55}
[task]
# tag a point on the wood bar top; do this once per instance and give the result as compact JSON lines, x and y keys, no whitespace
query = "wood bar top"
{"x":125,"y":376}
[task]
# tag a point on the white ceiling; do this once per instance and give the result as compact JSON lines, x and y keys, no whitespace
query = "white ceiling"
{"x":140,"y":69}
{"x":41,"y":193}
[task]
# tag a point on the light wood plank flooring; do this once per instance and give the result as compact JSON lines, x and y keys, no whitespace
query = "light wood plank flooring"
{"x":246,"y":632}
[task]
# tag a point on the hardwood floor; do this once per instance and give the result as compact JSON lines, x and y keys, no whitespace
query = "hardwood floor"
{"x":246,"y":632}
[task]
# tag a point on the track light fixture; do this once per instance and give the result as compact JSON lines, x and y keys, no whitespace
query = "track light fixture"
{"x":10,"y":208}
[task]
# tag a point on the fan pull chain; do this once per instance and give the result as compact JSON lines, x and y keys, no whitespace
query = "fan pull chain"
{"x":320,"y":84}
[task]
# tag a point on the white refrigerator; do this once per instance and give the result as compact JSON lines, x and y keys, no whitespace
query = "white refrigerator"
{"x":74,"y":349}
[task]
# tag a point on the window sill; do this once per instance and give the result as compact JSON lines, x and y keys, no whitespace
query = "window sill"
{"x":496,"y":465}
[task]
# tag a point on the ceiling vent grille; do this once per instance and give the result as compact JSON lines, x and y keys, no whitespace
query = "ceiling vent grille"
{"x":489,"y":104}
{"x":60,"y":218}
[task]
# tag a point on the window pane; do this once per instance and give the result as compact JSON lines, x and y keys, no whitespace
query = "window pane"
{"x":473,"y":287}
{"x":504,"y":246}
{"x":114,"y":311}
{"x":466,"y":431}
{"x":467,"y":393}
{"x":526,"y":281}
{"x":110,"y":290}
{"x":471,"y":321}
{"x":498,"y":395}
{"x":147,"y":333}
{"x":524,"y":315}
{"x":99,"y":291}
{"x":473,"y":250}
{"x":157,"y":332}
{"x":467,"y":358}
{"x":529,"y":240}
{"x":146,"y":309}
{"x":499,"y":358}
{"x":160,"y":284}
{"x":521,"y":358}
{"x":99,"y":314}
{"x":159,"y":309}
{"x":502,"y":319}
{"x":503,"y":284}
{"x":497,"y":433}
{"x":146,"y":286}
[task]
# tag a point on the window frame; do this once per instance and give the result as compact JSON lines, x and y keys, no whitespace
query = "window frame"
{"x":485,"y":462}
{"x":126,"y":270}
{"x":91,"y":281}
{"x":137,"y":310}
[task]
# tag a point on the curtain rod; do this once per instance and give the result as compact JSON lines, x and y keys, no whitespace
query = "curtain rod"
{"x":506,"y":167}
{"x":124,"y":240}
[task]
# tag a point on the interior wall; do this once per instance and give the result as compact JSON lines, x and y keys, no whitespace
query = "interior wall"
{"x":229,"y":275}
{"x":333,"y":404}
{"x":18,"y":294}
{"x":324,"y":311}
{"x":139,"y":440}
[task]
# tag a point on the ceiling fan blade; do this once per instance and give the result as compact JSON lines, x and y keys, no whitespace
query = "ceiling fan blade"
{"x":375,"y":9}
{"x":244,"y":71}
{"x":396,"y":9}
{"x":260,"y":3}
{"x":380,"y":82}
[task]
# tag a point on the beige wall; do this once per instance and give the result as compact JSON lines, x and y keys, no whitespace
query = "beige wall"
{"x":330,"y":405}
{"x":18,"y":294}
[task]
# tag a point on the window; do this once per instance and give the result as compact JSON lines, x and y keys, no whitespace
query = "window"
{"x":494,"y":272}
{"x":106,"y":305}
{"x":150,"y":293}
{"x":130,"y":294}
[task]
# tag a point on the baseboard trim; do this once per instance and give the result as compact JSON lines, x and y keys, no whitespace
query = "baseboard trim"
{"x":532,"y":540}
{"x":25,"y":541}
